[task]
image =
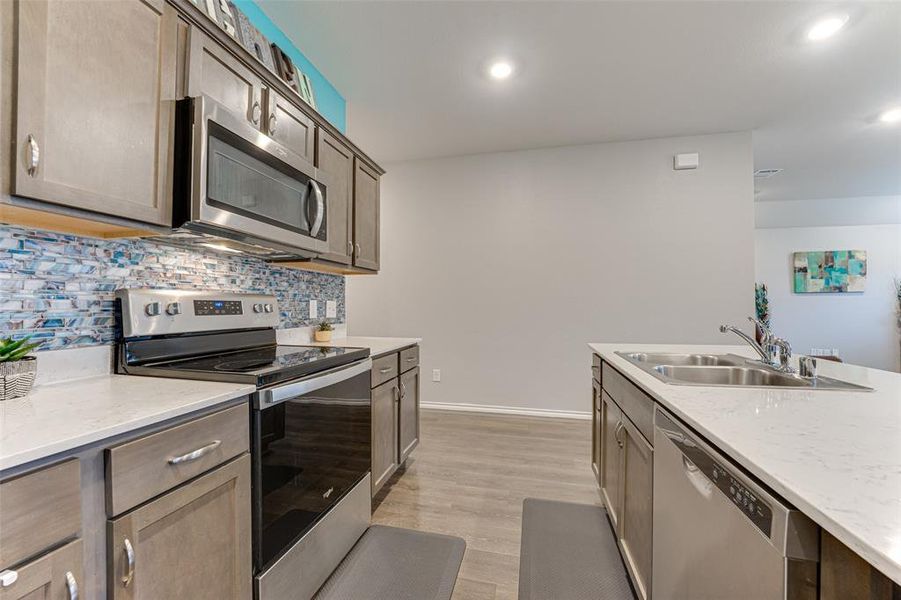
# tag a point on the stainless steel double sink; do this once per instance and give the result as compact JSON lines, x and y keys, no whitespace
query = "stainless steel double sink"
{"x":727,"y":370}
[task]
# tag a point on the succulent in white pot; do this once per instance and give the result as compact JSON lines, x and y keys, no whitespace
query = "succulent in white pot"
{"x":324,"y":332}
{"x":17,"y":368}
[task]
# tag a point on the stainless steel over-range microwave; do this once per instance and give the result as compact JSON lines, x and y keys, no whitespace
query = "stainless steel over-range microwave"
{"x":233,"y":181}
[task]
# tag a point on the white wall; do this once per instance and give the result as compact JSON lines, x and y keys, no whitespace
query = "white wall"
{"x":825,"y":212}
{"x":507,"y":264}
{"x":861,"y":326}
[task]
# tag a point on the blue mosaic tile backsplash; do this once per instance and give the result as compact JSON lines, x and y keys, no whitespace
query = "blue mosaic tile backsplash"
{"x":61,"y":288}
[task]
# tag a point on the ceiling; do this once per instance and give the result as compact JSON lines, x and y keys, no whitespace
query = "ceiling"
{"x":413,"y":75}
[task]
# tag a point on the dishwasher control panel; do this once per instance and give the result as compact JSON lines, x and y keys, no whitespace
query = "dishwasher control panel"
{"x":752,"y":505}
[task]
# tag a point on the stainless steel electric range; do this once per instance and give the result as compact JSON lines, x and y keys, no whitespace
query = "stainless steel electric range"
{"x":309,"y":420}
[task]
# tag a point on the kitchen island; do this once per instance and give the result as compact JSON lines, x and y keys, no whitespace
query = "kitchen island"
{"x":835,"y":455}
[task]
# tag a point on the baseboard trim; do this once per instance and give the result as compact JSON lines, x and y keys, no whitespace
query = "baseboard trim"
{"x":509,"y":410}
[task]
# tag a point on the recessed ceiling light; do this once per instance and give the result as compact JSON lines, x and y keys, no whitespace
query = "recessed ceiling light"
{"x":500,"y":69}
{"x":892,"y":115}
{"x":827,"y":27}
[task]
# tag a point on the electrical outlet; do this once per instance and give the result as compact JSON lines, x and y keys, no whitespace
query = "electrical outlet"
{"x":314,"y":309}
{"x":835,"y":352}
{"x":436,"y":374}
{"x":331,"y":309}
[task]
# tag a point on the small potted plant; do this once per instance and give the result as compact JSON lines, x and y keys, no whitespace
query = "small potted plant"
{"x":17,"y":369}
{"x":323,"y":333}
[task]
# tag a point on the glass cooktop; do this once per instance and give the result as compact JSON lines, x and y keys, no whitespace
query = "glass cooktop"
{"x":266,"y":364}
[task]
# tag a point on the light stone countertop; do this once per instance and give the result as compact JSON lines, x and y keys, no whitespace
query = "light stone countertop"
{"x":63,"y":416}
{"x":376,"y":345}
{"x":835,"y":455}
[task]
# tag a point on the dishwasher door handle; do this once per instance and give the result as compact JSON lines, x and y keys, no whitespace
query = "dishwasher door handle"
{"x":697,"y":479}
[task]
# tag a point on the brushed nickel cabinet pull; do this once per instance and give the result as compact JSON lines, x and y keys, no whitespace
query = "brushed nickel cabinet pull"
{"x":255,"y":113}
{"x":358,"y":250}
{"x":411,"y":359}
{"x":195,"y":454}
{"x":33,"y":156}
{"x":350,"y":248}
{"x":384,"y":370}
{"x":403,"y":390}
{"x":130,"y":557}
{"x":71,"y":586}
{"x":272,"y":123}
{"x":8,"y":577}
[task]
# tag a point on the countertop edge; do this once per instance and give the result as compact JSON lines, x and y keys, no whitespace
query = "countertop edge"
{"x":13,"y":461}
{"x":874,"y":556}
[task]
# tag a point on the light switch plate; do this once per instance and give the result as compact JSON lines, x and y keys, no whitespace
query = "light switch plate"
{"x":314,"y":309}
{"x":689,"y":160}
{"x":331,"y":309}
{"x":436,"y":374}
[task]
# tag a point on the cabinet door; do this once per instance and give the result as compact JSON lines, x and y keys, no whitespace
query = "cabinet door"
{"x":636,"y":524}
{"x":384,"y":433}
{"x":56,"y":575}
{"x":366,"y":217}
{"x":611,"y":467}
{"x":409,"y":413}
{"x":288,"y":125}
{"x":336,"y":163}
{"x":96,"y":84}
{"x":193,"y":542}
{"x":214,"y":72}
{"x":596,"y":431}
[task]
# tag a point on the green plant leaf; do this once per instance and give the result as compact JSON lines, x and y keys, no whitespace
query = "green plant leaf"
{"x":10,"y":346}
{"x":20,"y":353}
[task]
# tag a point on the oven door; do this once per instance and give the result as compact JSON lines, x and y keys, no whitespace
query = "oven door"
{"x":311,"y":446}
{"x":246,"y":184}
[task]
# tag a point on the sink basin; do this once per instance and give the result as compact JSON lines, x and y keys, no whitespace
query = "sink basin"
{"x":683,"y":359}
{"x":726,"y":370}
{"x":741,"y":376}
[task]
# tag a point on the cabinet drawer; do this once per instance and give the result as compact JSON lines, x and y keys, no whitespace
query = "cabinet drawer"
{"x":38,"y":510}
{"x":384,"y":368}
{"x":139,"y":470}
{"x":57,"y":574}
{"x":409,"y":358}
{"x":596,"y":367}
{"x":637,"y":405}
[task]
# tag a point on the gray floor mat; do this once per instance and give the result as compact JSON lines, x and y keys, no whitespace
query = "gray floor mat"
{"x":390,"y":563}
{"x":568,"y":552}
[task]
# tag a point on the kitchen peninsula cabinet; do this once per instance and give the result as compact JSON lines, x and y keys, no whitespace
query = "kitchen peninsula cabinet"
{"x":94,"y":89}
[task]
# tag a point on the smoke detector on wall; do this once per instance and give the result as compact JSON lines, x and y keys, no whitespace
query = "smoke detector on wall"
{"x":765,"y":173}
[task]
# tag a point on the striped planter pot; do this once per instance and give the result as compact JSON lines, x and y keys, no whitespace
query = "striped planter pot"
{"x":16,"y":378}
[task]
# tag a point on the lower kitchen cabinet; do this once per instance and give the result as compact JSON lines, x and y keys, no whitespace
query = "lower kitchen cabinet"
{"x":611,"y":472}
{"x":635,"y":532}
{"x":385,"y":461}
{"x":193,"y":542}
{"x":408,"y":413}
{"x":395,"y":412}
{"x":53,"y":576}
{"x":596,"y":432}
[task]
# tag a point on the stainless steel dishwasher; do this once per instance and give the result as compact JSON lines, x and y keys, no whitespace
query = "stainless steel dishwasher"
{"x":717,"y":533}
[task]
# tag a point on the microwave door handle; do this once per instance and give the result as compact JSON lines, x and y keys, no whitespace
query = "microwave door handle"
{"x":316,"y":219}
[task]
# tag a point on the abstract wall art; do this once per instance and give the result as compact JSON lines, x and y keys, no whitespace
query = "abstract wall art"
{"x":831,"y":271}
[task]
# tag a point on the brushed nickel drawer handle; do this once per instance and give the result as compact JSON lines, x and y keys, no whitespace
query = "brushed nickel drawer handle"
{"x":411,"y":359}
{"x":8,"y":577}
{"x":255,"y":113}
{"x":272,"y":124}
{"x":384,"y":370}
{"x":350,"y":248}
{"x":195,"y":454}
{"x":130,"y":557}
{"x":71,"y":586}
{"x":403,"y":390}
{"x":358,"y":250}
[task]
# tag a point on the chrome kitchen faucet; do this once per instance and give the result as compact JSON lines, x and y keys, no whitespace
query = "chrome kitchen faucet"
{"x":774,"y":351}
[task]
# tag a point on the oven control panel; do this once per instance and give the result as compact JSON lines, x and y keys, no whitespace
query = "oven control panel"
{"x":218,"y":307}
{"x":148,"y":312}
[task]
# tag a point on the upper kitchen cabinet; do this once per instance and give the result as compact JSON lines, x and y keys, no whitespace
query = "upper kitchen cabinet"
{"x":336,"y":163}
{"x":213,"y":71}
{"x":366,"y":216}
{"x":288,"y":125}
{"x":94,"y":101}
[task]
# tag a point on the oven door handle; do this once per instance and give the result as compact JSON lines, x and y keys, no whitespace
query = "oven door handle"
{"x":313,"y":383}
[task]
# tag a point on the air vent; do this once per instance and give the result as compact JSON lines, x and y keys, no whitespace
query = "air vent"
{"x":765,"y":173}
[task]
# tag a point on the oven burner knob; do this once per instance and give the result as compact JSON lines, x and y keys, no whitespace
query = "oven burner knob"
{"x":173,"y":308}
{"x":257,"y":308}
{"x":152,"y":309}
{"x":267,"y":308}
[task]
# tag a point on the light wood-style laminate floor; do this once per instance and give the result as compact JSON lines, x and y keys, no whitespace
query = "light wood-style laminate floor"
{"x":469,"y":476}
